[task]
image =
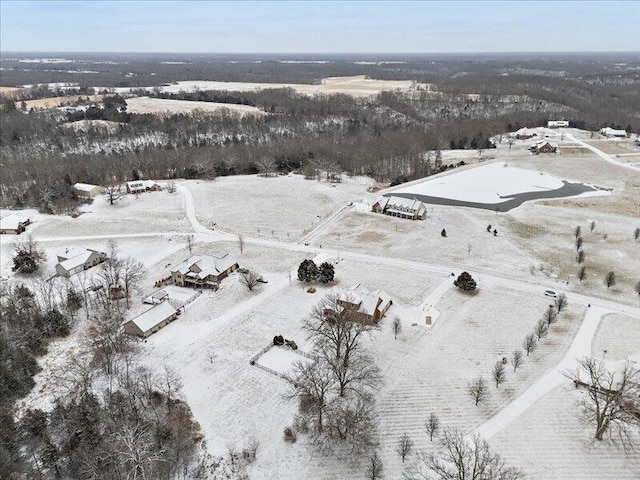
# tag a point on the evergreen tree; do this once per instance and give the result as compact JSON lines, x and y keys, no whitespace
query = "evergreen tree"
{"x":326,"y":273}
{"x":465,"y":282}
{"x":307,"y":271}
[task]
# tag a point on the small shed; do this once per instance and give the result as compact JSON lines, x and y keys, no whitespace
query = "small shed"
{"x":151,"y":321}
{"x":557,"y":124}
{"x":86,"y":190}
{"x":14,"y":224}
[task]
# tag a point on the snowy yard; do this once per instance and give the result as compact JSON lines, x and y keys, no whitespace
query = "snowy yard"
{"x":281,"y":359}
{"x":283,"y":207}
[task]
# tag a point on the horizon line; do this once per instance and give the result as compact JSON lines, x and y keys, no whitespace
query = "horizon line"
{"x":323,"y":53}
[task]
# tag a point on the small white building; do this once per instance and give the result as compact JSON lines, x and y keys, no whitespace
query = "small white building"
{"x":613,"y":133}
{"x":75,"y":260}
{"x":152,"y":320}
{"x":557,"y":124}
{"x":400,"y":207}
{"x":86,"y":190}
{"x":139,"y":186}
{"x":13,"y":224}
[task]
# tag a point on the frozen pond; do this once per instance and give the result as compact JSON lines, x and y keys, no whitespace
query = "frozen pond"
{"x":496,"y":187}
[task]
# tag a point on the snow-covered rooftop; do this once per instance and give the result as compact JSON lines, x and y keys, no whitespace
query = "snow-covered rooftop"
{"x":84,"y":187}
{"x":12,"y":222}
{"x":154,"y":316}
{"x":206,"y":264}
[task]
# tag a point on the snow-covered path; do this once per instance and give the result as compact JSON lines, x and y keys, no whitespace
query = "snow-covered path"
{"x":601,"y":154}
{"x":326,"y":225}
{"x":580,"y":347}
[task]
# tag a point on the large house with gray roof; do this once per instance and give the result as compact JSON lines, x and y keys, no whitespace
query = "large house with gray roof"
{"x":400,"y":207}
{"x":203,"y":271}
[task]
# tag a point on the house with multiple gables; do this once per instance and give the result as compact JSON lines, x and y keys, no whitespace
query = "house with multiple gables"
{"x":151,"y":320}
{"x":524,"y":133}
{"x":368,"y":307}
{"x":86,"y":190}
{"x":203,"y":271}
{"x":75,"y":260}
{"x":14,"y":224}
{"x":139,"y":186}
{"x":400,"y":207}
{"x":543,"y":146}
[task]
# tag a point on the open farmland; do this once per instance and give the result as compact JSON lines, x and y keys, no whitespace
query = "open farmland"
{"x":356,"y":85}
{"x":164,"y":106}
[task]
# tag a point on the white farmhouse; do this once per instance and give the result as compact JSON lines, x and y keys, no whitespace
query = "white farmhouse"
{"x":75,"y":260}
{"x":139,"y":186}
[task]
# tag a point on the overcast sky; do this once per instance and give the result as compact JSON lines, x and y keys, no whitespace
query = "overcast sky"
{"x":319,"y":27}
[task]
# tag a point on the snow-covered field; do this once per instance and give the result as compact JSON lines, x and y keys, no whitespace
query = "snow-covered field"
{"x":357,"y":85}
{"x":284,"y":207}
{"x":167,"y":106}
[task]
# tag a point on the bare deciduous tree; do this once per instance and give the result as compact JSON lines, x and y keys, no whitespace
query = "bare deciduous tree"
{"x":592,"y":225}
{"x":337,"y":332}
{"x":405,"y":445}
{"x":432,"y":425}
{"x":375,"y":468}
{"x":529,"y":344}
{"x":397,"y":327}
{"x":313,"y":383}
{"x":241,"y":244}
{"x":113,"y":193}
{"x":479,"y":390}
{"x":636,"y":233}
{"x":542,"y":328}
{"x":578,"y":243}
{"x":517,"y":358}
{"x":550,"y":315}
{"x":132,"y":275}
{"x":266,"y":165}
{"x":462,"y":458}
{"x":611,"y":399}
{"x":582,"y":273}
{"x":577,"y":231}
{"x":249,"y":278}
{"x":498,"y":373}
{"x":561,"y":302}
{"x":580,"y":257}
{"x":190,"y":240}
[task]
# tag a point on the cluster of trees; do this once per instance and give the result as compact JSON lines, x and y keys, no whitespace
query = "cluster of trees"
{"x":609,"y":279}
{"x":138,"y":428}
{"x":478,"y":389}
{"x":335,"y":392}
{"x":28,"y":257}
{"x":110,"y":418}
{"x":308,"y":271}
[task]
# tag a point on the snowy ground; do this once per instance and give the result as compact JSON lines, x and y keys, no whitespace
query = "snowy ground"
{"x":285,"y":207}
{"x":426,"y":368}
{"x":167,"y":106}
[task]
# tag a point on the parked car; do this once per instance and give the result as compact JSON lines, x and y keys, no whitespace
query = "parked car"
{"x":550,"y":293}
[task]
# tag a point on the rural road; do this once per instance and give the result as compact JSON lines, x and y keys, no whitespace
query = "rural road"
{"x":601,"y":154}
